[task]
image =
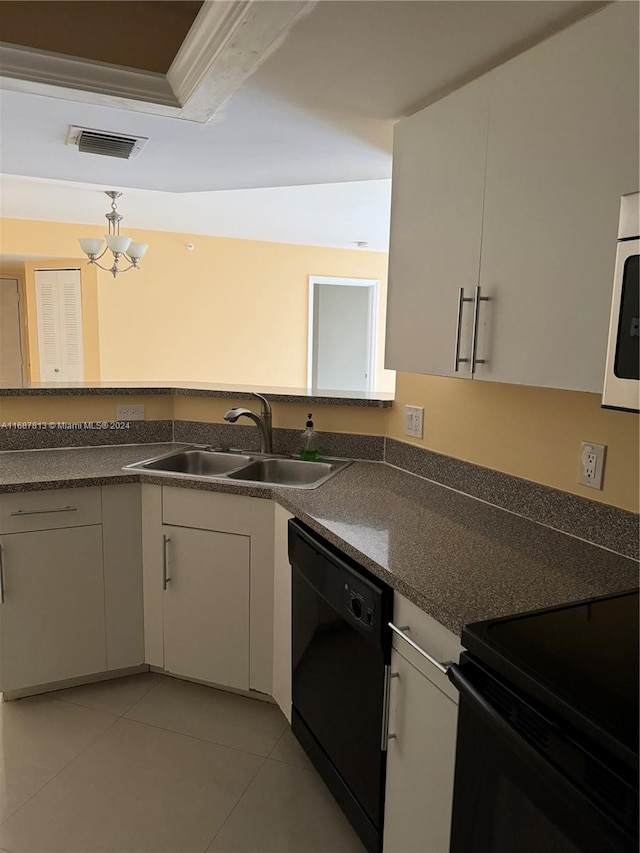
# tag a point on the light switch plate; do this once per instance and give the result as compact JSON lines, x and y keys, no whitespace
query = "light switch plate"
{"x":130,"y":413}
{"x":591,"y":465}
{"x":413,"y":421}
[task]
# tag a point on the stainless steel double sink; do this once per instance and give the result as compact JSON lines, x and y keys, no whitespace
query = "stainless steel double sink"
{"x":203,"y":463}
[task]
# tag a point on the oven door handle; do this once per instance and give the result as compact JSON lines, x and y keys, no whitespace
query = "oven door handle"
{"x":525,"y":751}
{"x":520,"y":744}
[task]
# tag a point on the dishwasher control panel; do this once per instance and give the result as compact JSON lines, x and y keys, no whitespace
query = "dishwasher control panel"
{"x":361,"y":606}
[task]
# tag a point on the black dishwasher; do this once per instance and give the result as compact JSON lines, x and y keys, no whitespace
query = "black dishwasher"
{"x":341,"y":646}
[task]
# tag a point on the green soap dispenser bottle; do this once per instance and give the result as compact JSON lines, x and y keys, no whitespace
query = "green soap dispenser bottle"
{"x":310,"y":442}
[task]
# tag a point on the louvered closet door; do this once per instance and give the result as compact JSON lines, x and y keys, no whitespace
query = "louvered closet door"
{"x":59,"y":305}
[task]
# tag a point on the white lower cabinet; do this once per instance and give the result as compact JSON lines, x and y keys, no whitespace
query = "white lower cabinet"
{"x":423,"y":716}
{"x":71,"y":585}
{"x":208,"y":586}
{"x":420,"y":763}
{"x":52,"y":617}
{"x":206,"y":605}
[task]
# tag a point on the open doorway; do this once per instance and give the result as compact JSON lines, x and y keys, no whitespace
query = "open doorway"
{"x":11,"y":333}
{"x":342,"y":333}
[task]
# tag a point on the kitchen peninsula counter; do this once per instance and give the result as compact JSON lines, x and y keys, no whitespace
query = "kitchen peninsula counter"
{"x":319,"y":397}
{"x":458,"y":558}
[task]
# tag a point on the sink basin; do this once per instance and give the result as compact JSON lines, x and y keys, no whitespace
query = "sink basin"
{"x":286,"y":472}
{"x":265,"y":469}
{"x":198,"y":463}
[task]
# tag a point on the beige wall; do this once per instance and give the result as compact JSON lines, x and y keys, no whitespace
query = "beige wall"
{"x":230,"y":311}
{"x":367,"y":421}
{"x":72,"y":409}
{"x":250,"y":298}
{"x":534,"y":433}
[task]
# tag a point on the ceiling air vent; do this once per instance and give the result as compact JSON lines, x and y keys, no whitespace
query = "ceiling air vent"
{"x":91,"y":141}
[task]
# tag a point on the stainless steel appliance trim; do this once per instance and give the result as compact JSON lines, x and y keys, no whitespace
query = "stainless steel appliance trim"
{"x":165,"y":578}
{"x":442,"y":667}
{"x":461,"y":300}
{"x":617,"y":392}
{"x":44,"y":511}
{"x":629,"y":221}
{"x":1,"y":576}
{"x":477,"y":299}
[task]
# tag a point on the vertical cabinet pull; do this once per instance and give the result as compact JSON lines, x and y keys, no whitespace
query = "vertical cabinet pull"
{"x":461,"y":300}
{"x":386,"y":737}
{"x":165,"y":577}
{"x":477,"y":299}
{"x":474,"y":360}
{"x":1,"y":576}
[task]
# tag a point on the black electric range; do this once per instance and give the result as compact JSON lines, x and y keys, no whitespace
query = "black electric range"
{"x":547,"y":752}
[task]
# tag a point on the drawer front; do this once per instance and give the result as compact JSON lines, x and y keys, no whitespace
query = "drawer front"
{"x":213,"y":510}
{"x":24,"y":511}
{"x":431,"y":636}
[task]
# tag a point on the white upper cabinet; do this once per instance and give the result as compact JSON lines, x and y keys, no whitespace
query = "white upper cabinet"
{"x":436,"y":228}
{"x":563,"y":148}
{"x":537,"y":234}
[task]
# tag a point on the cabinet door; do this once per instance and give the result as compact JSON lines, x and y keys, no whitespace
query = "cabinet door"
{"x":206,"y":606}
{"x":420,"y":763}
{"x":52,"y":619}
{"x":563,"y":148}
{"x":436,"y":225}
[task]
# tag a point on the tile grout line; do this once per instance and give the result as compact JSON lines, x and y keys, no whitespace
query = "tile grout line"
{"x":195,"y":737}
{"x":89,"y":708}
{"x":68,"y":764}
{"x":116,"y":718}
{"x":236,"y":804}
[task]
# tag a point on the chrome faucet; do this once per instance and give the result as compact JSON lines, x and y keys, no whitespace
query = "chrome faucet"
{"x":262,"y":421}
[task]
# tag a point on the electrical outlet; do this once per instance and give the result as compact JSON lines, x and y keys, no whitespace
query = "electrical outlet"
{"x":130,"y":413}
{"x":591,"y":466}
{"x":413,"y":418}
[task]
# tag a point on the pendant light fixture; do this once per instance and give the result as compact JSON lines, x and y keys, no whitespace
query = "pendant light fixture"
{"x":120,"y":246}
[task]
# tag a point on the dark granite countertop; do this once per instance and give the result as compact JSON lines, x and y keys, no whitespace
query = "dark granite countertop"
{"x":320,"y":397}
{"x":458,"y":558}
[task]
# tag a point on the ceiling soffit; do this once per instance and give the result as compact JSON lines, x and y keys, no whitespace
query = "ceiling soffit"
{"x":142,"y":34}
{"x":226,"y":43}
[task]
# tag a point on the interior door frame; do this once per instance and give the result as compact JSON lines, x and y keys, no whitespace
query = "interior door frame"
{"x":372,"y":332}
{"x":22,"y":320}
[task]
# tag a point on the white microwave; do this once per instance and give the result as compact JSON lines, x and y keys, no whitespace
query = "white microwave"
{"x":622,"y":375}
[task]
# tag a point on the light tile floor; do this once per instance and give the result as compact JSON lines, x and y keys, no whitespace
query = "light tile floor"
{"x":149,"y":764}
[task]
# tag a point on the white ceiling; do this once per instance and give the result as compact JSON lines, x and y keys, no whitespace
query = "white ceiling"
{"x":319,"y":111}
{"x":322,"y":214}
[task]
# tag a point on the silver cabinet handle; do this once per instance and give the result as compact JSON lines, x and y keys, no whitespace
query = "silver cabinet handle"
{"x":478,"y":298}
{"x":44,"y":511}
{"x":1,"y":576}
{"x":385,"y":736}
{"x":461,"y":300}
{"x":442,"y":667}
{"x":165,"y":577}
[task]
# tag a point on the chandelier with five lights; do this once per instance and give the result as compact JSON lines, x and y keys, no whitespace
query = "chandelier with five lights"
{"x":119,"y":245}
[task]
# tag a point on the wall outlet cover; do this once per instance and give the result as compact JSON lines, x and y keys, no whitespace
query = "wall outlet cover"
{"x":130,"y":413}
{"x":591,"y":465}
{"x":413,"y":421}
